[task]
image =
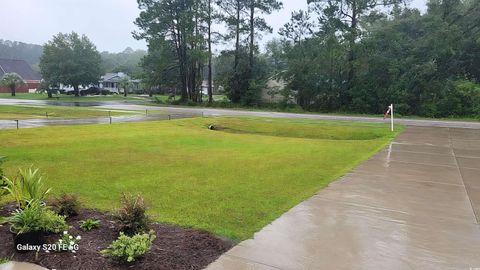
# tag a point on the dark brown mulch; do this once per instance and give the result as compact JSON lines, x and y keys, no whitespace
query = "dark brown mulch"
{"x":174,"y":248}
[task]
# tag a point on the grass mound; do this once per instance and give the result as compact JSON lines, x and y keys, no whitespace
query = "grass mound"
{"x":301,"y":128}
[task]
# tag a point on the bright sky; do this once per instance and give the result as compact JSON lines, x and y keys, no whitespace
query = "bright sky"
{"x":108,"y":23}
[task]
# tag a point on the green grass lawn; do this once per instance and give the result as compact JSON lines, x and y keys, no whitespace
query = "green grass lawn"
{"x":29,"y":112}
{"x":70,"y":98}
{"x":231,"y":182}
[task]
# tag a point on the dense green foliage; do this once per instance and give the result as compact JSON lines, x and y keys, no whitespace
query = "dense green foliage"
{"x":185,"y":170}
{"x":128,"y":248}
{"x":427,"y":64}
{"x":180,"y":42}
{"x":71,"y":59}
{"x":337,"y":56}
{"x":36,"y":218}
{"x":175,"y":30}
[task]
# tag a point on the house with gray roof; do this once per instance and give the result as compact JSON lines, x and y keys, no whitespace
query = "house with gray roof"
{"x":22,"y":68}
{"x":112,"y":81}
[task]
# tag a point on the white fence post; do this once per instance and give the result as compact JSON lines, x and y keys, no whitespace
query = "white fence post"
{"x":391,"y":116}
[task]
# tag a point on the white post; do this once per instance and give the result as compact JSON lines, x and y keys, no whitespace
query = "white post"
{"x":391,"y":116}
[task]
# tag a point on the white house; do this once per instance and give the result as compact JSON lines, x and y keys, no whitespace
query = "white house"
{"x":110,"y":82}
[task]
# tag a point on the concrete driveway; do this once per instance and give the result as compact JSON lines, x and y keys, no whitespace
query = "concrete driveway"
{"x":415,"y":205}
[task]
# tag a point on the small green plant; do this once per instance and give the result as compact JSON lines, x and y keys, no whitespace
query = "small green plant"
{"x":5,"y":260}
{"x":26,"y":187}
{"x":36,"y":218}
{"x":67,"y":243}
{"x":89,"y":224}
{"x":128,"y":248}
{"x":131,"y":218}
{"x":66,"y":205}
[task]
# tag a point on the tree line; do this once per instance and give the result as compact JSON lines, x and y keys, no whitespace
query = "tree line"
{"x":180,"y":38}
{"x":339,"y":55}
{"x":19,"y":50}
{"x":355,"y":58}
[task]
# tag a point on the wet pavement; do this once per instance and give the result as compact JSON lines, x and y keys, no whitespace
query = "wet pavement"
{"x":414,"y":205}
{"x":33,"y":123}
{"x":227,"y":112}
{"x":20,"y":266}
{"x":53,"y":102}
{"x":132,"y":105}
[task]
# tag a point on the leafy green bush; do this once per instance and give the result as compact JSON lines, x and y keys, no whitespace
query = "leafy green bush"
{"x":159,"y":100}
{"x":131,"y":218}
{"x":89,"y":224}
{"x":27,"y":187}
{"x":66,"y":205}
{"x":127,"y":249}
{"x":36,"y":217}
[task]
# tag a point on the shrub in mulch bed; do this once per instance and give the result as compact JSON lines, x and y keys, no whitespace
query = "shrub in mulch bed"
{"x":174,"y":247}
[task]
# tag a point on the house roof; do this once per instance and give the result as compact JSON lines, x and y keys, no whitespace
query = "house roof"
{"x":114,"y":77}
{"x":20,"y":67}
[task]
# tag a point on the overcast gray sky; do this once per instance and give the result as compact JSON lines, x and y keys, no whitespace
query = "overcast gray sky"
{"x":108,"y":23}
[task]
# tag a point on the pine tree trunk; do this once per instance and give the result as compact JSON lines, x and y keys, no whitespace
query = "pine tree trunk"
{"x":237,"y":36}
{"x":210,"y":76}
{"x":252,"y":34}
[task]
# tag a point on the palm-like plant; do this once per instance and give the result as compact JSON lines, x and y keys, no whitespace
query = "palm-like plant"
{"x":27,"y":187}
{"x":12,"y":81}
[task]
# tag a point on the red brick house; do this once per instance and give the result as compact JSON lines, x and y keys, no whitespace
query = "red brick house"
{"x":23,"y":69}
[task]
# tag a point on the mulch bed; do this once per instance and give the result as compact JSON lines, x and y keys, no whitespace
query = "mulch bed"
{"x":174,"y":248}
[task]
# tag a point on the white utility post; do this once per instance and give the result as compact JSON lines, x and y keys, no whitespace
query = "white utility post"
{"x":391,"y":116}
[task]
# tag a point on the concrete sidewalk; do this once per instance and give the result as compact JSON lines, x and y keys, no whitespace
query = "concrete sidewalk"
{"x":412,"y":206}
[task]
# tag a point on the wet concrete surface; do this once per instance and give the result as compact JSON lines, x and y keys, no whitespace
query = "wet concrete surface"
{"x":131,"y":105}
{"x":414,"y":205}
{"x":20,"y":266}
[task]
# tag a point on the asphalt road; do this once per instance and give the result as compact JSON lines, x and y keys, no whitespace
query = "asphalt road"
{"x":226,"y":112}
{"x":190,"y":111}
